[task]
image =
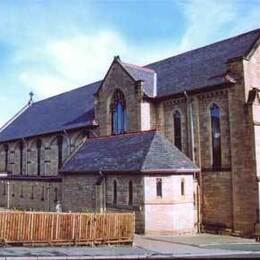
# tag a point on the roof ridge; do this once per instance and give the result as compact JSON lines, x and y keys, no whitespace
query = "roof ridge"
{"x":138,"y":67}
{"x":66,"y":92}
{"x":205,"y":46}
{"x":120,"y":135}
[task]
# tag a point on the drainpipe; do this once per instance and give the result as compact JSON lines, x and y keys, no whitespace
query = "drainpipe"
{"x":101,"y":194}
{"x":104,"y":193}
{"x":192,"y":156}
{"x":191,"y":127}
{"x":8,"y":194}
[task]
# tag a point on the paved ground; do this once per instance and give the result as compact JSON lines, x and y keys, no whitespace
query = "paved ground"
{"x":196,"y":246}
{"x":200,"y":245}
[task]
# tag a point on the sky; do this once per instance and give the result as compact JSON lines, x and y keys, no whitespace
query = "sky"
{"x":52,"y":46}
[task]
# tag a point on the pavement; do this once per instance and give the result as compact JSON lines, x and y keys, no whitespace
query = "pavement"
{"x":205,"y":246}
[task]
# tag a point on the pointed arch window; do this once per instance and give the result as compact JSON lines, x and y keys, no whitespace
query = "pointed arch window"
{"x":60,"y":148}
{"x":21,"y":157}
{"x":130,"y":193}
{"x":6,"y":148}
{"x":118,"y":111}
{"x":114,"y":192}
{"x":38,"y":146}
{"x":177,"y":129}
{"x":216,"y":136}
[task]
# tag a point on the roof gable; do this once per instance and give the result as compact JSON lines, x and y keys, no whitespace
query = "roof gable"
{"x":148,"y":76}
{"x":116,"y":61}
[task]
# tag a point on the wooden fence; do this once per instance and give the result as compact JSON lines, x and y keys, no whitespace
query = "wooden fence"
{"x":66,"y":228}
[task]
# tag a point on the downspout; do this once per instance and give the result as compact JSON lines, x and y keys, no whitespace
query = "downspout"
{"x":101,"y":196}
{"x":191,"y":127}
{"x":192,"y":156}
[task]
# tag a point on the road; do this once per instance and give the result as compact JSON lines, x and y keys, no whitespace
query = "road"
{"x":197,"y":246}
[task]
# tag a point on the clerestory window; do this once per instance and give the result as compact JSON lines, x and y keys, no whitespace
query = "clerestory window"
{"x":118,"y":112}
{"x":177,"y":129}
{"x":216,"y":136}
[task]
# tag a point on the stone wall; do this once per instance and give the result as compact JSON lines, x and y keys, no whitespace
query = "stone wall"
{"x":139,"y":113}
{"x":79,"y":194}
{"x":27,"y":189}
{"x":123,"y":196}
{"x":171,"y":213}
{"x":242,"y":154}
{"x":30,"y":194}
{"x":170,"y":107}
{"x":251,"y":79}
{"x":49,"y":154}
{"x":217,"y":201}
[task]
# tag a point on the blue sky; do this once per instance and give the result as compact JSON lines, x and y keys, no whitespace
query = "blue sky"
{"x":53,"y":46}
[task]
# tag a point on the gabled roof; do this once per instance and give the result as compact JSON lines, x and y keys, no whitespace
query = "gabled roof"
{"x":73,"y":109}
{"x":202,"y":67}
{"x":147,"y":151}
{"x":193,"y":70}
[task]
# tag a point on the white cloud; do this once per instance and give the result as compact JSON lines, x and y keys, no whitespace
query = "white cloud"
{"x":68,"y":63}
{"x":63,"y":64}
{"x":211,"y":20}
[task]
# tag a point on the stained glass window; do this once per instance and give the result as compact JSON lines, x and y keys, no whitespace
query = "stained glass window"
{"x":118,"y":110}
{"x":177,"y":129}
{"x":216,"y":136}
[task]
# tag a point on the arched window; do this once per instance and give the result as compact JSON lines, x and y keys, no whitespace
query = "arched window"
{"x":6,"y":157}
{"x":177,"y":129}
{"x":216,"y":136}
{"x":39,"y":145}
{"x":60,"y":144}
{"x":130,"y":193}
{"x":182,"y":187}
{"x":55,"y":194}
{"x":159,"y":187}
{"x":118,"y":107}
{"x":43,"y":193}
{"x":115,"y":192}
{"x":21,"y":157}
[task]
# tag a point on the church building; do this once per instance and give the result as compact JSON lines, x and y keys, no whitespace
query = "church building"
{"x":176,"y":141}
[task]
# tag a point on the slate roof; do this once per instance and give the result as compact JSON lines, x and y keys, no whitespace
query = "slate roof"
{"x":147,"y":151}
{"x":148,"y":76}
{"x":69,"y":110}
{"x":201,"y":67}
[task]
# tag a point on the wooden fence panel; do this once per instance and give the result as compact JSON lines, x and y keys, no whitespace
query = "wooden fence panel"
{"x":66,"y":228}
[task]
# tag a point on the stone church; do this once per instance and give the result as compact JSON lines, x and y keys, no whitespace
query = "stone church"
{"x":177,"y":141}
